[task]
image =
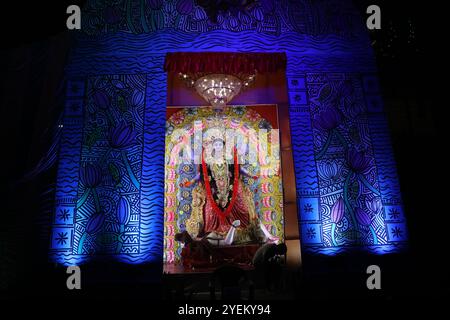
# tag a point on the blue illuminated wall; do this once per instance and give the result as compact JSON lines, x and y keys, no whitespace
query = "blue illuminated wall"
{"x":110,"y":185}
{"x":346,"y":179}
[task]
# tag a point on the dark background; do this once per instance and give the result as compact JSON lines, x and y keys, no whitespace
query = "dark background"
{"x":408,"y":48}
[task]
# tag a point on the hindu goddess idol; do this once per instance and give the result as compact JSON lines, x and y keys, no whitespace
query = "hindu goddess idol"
{"x":223,"y":208}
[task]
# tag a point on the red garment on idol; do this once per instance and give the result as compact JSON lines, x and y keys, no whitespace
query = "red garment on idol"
{"x":218,"y":219}
{"x":239,"y":211}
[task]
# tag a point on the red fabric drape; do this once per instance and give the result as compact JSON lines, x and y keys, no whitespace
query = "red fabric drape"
{"x":222,"y":214}
{"x":224,"y":62}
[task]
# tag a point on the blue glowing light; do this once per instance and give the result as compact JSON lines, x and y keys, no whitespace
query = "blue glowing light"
{"x":115,"y":120}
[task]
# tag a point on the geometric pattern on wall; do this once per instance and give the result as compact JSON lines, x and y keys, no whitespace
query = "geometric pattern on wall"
{"x":66,"y":193}
{"x":105,"y":218}
{"x":267,"y":190}
{"x":108,"y":207}
{"x":267,"y":17}
{"x":351,"y":208}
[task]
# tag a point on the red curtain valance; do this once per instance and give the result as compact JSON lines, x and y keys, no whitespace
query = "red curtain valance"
{"x":224,"y":62}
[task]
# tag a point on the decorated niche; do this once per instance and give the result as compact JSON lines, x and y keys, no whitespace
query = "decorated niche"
{"x":261,"y":189}
{"x":346,"y":151}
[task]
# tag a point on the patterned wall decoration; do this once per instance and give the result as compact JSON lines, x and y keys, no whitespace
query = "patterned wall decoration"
{"x":345,"y":178}
{"x":347,"y":187}
{"x":267,"y":16}
{"x":66,"y":194}
{"x":352,"y":212}
{"x":267,"y":190}
{"x":105,"y":219}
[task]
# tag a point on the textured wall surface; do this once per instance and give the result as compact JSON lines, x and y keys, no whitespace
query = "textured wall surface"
{"x":114,"y":125}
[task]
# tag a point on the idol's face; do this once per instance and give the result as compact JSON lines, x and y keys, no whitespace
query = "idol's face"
{"x":218,"y":145}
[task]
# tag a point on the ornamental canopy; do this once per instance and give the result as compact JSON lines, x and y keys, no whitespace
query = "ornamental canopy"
{"x":224,"y":62}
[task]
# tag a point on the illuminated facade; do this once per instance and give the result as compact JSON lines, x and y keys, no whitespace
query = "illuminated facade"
{"x":110,"y":185}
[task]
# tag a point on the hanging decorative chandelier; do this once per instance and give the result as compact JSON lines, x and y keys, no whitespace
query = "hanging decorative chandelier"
{"x":217,"y":88}
{"x":219,"y":76}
